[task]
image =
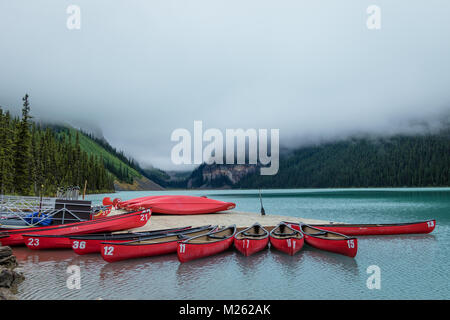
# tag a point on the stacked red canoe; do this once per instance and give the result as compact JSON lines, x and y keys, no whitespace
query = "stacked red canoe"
{"x":177,"y":204}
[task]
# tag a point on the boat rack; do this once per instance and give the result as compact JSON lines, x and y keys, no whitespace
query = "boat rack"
{"x":15,"y":209}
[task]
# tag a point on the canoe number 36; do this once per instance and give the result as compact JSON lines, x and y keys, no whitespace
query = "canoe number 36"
{"x":79,"y":244}
{"x":351,"y":243}
{"x":108,"y":250}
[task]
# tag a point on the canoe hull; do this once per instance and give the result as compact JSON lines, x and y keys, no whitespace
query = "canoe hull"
{"x":179,"y":205}
{"x":88,"y":246}
{"x":108,"y":224}
{"x":290,"y":245}
{"x":250,"y":246}
{"x":346,"y":247}
{"x":91,"y":243}
{"x":112,"y":252}
{"x":368,"y":230}
{"x":36,"y":242}
{"x":191,"y":251}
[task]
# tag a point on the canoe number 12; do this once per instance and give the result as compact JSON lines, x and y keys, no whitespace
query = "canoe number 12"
{"x":108,"y":251}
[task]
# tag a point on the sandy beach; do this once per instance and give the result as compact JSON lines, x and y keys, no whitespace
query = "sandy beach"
{"x":226,"y":218}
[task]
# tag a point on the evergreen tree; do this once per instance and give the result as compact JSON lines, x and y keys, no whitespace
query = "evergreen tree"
{"x":22,"y":153}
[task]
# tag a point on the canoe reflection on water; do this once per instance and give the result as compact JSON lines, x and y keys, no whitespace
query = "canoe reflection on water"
{"x":120,"y":269}
{"x":195,"y":269}
{"x":252,"y":264}
{"x":286,"y":262}
{"x":330,"y":260}
{"x":25,"y":255}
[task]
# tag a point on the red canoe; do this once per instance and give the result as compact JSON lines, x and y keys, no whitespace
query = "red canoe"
{"x":107,"y":201}
{"x":39,"y":242}
{"x":2,"y":237}
{"x":108,"y":224}
{"x":380,"y":229}
{"x":183,"y":205}
{"x":329,"y":241}
{"x":286,"y":239}
{"x":83,"y":243}
{"x":113,"y":251}
{"x":124,"y":204}
{"x":206,"y":245}
{"x":90,"y":243}
{"x":251,"y":240}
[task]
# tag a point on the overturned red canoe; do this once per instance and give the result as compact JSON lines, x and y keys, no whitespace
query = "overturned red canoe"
{"x":124,"y":204}
{"x":251,"y":240}
{"x":206,"y":245}
{"x":90,"y":243}
{"x":153,"y":246}
{"x":108,"y":224}
{"x":329,"y":240}
{"x":286,"y":239}
{"x":183,"y":205}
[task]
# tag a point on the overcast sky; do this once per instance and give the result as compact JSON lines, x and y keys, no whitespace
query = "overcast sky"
{"x":137,"y":70}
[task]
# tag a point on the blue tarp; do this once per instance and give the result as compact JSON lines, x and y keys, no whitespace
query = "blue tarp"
{"x":34,"y":218}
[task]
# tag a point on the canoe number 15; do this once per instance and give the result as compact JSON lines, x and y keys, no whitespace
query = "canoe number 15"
{"x":351,"y":243}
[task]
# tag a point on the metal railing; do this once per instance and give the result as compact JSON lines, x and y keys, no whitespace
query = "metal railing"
{"x":69,"y":193}
{"x":16,"y":210}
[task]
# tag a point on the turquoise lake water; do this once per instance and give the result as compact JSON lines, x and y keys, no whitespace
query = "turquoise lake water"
{"x":412,"y":266}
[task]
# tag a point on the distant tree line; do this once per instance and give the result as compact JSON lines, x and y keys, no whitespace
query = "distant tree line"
{"x":400,"y":161}
{"x":35,"y":160}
